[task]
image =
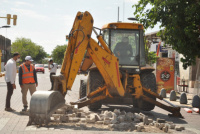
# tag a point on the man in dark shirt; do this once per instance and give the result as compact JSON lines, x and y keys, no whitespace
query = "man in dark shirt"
{"x":27,"y":79}
{"x":123,"y":51}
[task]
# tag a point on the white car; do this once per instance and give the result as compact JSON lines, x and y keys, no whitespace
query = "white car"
{"x":59,"y":66}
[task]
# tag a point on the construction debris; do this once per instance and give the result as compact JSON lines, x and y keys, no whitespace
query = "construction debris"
{"x":114,"y":121}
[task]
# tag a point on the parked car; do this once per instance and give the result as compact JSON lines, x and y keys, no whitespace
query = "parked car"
{"x":46,"y":65}
{"x":59,"y":66}
{"x":39,"y":68}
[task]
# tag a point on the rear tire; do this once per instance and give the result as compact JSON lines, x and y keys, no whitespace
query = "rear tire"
{"x":95,"y":80}
{"x":148,"y":81}
{"x":82,"y":89}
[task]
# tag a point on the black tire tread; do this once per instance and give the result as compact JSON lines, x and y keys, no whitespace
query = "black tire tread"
{"x":82,"y":89}
{"x":148,"y":81}
{"x":95,"y":80}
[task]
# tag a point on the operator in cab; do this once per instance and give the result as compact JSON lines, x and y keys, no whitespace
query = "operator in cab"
{"x":123,"y":51}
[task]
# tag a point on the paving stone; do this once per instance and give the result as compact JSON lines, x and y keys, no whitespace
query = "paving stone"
{"x":157,"y":125}
{"x":123,"y":126}
{"x":83,"y":115}
{"x":138,"y":128}
{"x":60,"y":111}
{"x":106,"y":122}
{"x":151,"y":124}
{"x":172,"y":126}
{"x":78,"y":114}
{"x":108,"y":114}
{"x":183,"y":128}
{"x":113,"y":121}
{"x":196,"y":101}
{"x":158,"y":120}
{"x":113,"y":126}
{"x":123,"y":113}
{"x":136,"y":120}
{"x":114,"y":116}
{"x":145,"y":120}
{"x":97,"y":117}
{"x":80,"y":110}
{"x":137,"y":116}
{"x":129,"y":116}
{"x":74,"y":119}
{"x":183,"y":98}
{"x":83,"y":120}
{"x":99,"y":122}
{"x":64,"y":118}
{"x":117,"y":111}
{"x":161,"y":126}
{"x":165,"y":129}
{"x":150,"y":121}
{"x":172,"y":95}
{"x":91,"y":118}
{"x":121,"y":118}
{"x":178,"y":128}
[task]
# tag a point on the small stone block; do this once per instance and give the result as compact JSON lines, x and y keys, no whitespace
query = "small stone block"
{"x":160,"y":120}
{"x":178,"y":128}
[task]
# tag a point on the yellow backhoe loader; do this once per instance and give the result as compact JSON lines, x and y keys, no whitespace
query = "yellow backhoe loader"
{"x":117,"y":72}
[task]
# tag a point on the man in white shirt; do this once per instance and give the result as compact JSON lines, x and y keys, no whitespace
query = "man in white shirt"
{"x":10,"y":77}
{"x":53,"y":69}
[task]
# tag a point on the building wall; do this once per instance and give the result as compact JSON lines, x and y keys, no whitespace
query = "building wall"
{"x":5,"y":46}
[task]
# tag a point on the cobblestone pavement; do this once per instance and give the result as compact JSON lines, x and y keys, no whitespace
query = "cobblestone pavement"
{"x":14,"y":122}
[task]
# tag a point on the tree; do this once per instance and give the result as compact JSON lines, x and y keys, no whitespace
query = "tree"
{"x":181,"y":22}
{"x":27,"y":47}
{"x":41,"y":54}
{"x":58,"y":53}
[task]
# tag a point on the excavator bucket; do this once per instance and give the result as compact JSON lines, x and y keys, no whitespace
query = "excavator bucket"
{"x":43,"y":104}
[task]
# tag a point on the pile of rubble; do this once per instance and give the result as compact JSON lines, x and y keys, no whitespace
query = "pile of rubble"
{"x":116,"y":120}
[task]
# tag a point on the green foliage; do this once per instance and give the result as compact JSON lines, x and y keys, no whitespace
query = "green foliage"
{"x":58,"y":53}
{"x":26,"y":47}
{"x":151,"y":58}
{"x":181,"y":20}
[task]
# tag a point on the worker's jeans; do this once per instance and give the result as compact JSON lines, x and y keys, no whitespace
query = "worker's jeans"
{"x":25,"y":88}
{"x":9,"y":94}
{"x":52,"y":84}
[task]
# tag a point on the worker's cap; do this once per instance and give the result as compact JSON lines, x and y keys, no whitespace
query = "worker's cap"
{"x":29,"y":58}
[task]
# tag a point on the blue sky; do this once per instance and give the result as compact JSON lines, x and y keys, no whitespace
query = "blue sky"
{"x":46,"y":22}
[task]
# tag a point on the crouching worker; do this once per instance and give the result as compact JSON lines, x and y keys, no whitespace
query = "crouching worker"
{"x":27,"y":80}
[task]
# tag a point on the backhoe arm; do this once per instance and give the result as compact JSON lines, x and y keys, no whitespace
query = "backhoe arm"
{"x":79,"y":41}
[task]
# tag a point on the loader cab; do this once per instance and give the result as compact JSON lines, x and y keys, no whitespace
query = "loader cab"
{"x":126,"y":41}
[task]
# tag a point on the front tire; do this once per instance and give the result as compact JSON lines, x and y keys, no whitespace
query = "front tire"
{"x":82,"y":89}
{"x":95,"y":80}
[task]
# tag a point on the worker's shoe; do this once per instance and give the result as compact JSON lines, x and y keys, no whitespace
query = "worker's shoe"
{"x":9,"y":109}
{"x":25,"y":108}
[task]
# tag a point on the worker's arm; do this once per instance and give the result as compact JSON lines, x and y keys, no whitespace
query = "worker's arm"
{"x":35,"y":77}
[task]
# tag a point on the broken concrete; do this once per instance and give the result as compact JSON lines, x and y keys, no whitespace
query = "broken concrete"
{"x":116,"y":120}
